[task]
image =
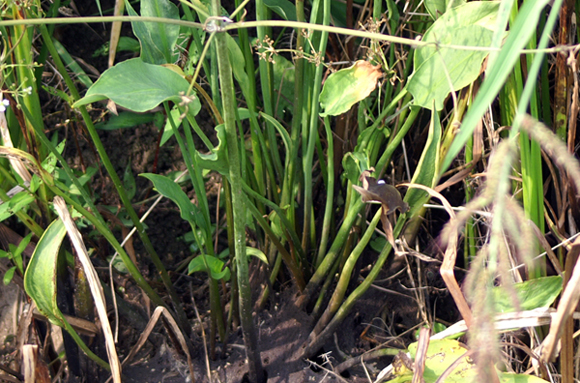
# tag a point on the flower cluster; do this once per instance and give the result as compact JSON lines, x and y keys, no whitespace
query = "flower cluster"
{"x":266,"y":50}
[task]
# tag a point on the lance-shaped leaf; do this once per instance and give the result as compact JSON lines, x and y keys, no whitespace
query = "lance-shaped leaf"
{"x":139,"y":86}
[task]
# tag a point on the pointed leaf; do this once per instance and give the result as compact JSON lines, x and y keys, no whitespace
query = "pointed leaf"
{"x":171,"y":190}
{"x":436,"y":8}
{"x":138,"y":86}
{"x":157,"y":39}
{"x":257,"y":253}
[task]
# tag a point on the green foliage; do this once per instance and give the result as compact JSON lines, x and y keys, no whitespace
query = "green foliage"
{"x":15,"y":255}
{"x":427,"y":172}
{"x":40,"y":276}
{"x":437,"y":68}
{"x":441,"y":354}
{"x":139,"y":86}
{"x":530,"y":295}
{"x":278,"y":160}
{"x":157,"y":39}
{"x":348,"y":86}
{"x":125,"y":120}
{"x":171,"y":190}
{"x":283,"y":8}
{"x":211,"y":265}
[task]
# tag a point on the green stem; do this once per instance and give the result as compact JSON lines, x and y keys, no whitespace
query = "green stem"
{"x":345,"y":275}
{"x":329,"y":193}
{"x":313,"y":132}
{"x":256,"y":372}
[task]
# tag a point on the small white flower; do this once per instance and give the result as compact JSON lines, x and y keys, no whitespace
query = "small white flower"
{"x":28,"y":90}
{"x":3,"y":105}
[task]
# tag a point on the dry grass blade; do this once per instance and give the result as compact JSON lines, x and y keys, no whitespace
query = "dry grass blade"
{"x":152,"y":322}
{"x":7,"y":142}
{"x":566,"y":308}
{"x":449,"y":260}
{"x":94,"y":283}
{"x":551,"y":255}
{"x":29,"y":362}
{"x":422,"y":346}
{"x":202,"y":335}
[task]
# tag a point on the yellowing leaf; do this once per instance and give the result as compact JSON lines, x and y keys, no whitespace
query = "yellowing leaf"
{"x":348,"y":86}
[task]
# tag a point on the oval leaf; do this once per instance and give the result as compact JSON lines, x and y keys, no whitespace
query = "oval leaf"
{"x":138,"y":86}
{"x":348,"y":86}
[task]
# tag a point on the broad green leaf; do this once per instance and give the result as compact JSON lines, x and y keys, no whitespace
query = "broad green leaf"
{"x":157,"y":39}
{"x":17,"y":253}
{"x":40,"y":276}
{"x":427,"y":171}
{"x":168,"y":129}
{"x":126,"y":43}
{"x":40,"y":282}
{"x":215,"y":264}
{"x":169,"y":189}
{"x":125,"y":120}
{"x":348,"y":86}
{"x":437,"y":68}
{"x":436,"y":8}
{"x":49,"y":163}
{"x":532,"y":294}
{"x":283,"y":8}
{"x":138,"y":86}
{"x":441,"y":354}
{"x":118,"y":264}
{"x":519,"y":35}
